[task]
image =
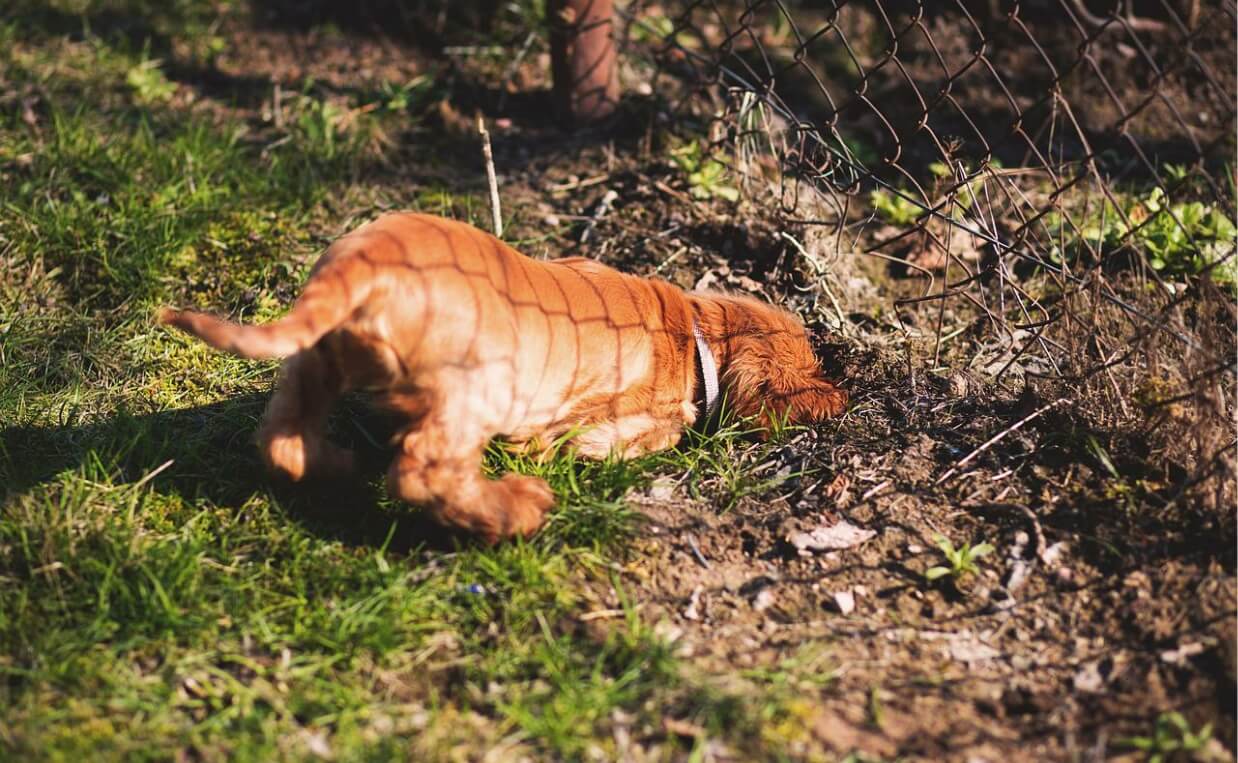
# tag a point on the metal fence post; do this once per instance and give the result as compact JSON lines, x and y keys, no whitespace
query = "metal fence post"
{"x":582,"y":56}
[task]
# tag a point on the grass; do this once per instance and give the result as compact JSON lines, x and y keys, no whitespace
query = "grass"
{"x":157,"y":595}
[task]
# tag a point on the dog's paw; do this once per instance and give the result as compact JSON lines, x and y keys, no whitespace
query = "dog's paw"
{"x":284,"y":455}
{"x":294,"y":457}
{"x":525,"y":503}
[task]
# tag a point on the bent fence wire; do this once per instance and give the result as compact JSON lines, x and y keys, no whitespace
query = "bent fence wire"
{"x":984,"y":144}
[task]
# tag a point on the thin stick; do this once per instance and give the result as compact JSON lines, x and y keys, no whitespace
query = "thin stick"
{"x":493,"y":179}
{"x":153,"y":474}
{"x":696,"y":551}
{"x":997,"y":438}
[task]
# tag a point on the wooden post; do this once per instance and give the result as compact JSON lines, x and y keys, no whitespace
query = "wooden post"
{"x":582,"y":58}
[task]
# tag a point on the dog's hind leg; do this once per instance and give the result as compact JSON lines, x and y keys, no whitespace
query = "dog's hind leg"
{"x":292,"y":436}
{"x":434,"y":470}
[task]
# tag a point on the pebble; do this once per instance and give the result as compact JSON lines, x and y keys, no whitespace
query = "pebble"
{"x":845,"y":601}
{"x":764,"y":600}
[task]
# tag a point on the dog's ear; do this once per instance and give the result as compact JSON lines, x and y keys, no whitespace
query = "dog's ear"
{"x":819,"y":400}
{"x":776,"y":376}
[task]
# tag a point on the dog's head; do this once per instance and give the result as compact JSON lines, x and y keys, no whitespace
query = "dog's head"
{"x":769,"y":370}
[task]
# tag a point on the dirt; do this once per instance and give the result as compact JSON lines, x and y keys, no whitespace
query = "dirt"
{"x":1091,"y":616}
{"x":1051,"y":669}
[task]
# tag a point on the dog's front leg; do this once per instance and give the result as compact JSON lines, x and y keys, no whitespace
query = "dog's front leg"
{"x":433,"y":470}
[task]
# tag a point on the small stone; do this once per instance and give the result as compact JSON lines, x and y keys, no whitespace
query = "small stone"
{"x":844,"y":601}
{"x":693,"y":610}
{"x":764,"y":600}
{"x":662,"y":489}
{"x":1054,"y":553}
{"x":1182,"y":653}
{"x":1089,"y":679}
{"x":969,"y":649}
{"x":835,"y":537}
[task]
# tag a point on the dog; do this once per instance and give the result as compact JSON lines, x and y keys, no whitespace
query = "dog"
{"x":466,"y":339}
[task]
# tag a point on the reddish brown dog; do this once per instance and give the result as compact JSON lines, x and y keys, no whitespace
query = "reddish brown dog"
{"x":468,"y":339}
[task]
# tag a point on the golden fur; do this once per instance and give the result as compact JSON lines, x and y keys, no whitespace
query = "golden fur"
{"x":467,"y":339}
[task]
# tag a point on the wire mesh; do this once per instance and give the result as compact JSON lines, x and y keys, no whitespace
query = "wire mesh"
{"x":985,"y":146}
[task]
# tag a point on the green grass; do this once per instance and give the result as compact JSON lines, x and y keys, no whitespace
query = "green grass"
{"x":157,"y":594}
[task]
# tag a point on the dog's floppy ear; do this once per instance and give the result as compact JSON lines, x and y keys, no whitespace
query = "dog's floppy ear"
{"x":817,"y":401}
{"x":776,"y":375}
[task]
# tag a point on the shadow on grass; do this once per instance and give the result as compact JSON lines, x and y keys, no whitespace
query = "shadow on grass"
{"x":211,"y":459}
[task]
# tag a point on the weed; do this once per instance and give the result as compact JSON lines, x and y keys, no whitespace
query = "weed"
{"x":1180,"y":239}
{"x":148,"y":82}
{"x":808,"y":669}
{"x":1171,"y":735}
{"x":408,"y":96}
{"x":895,"y":208}
{"x":654,"y":28}
{"x":706,"y":175}
{"x":320,"y":125}
{"x":728,"y":464}
{"x":961,"y":560}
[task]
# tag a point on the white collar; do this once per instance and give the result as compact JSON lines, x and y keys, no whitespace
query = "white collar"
{"x":709,"y":373}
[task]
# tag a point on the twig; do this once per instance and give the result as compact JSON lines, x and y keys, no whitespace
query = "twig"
{"x":696,"y":551}
{"x":153,"y":473}
{"x":603,"y":208}
{"x":572,"y":185}
{"x":820,"y":269}
{"x":474,"y":50}
{"x":277,"y":107}
{"x":605,"y":614}
{"x":996,"y":439}
{"x":666,"y":189}
{"x":493,"y":179}
{"x":1137,"y":23}
{"x":1041,"y":545}
{"x":510,"y":71}
{"x":874,"y":491}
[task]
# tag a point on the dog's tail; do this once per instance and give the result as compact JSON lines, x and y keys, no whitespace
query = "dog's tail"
{"x":325,"y":304}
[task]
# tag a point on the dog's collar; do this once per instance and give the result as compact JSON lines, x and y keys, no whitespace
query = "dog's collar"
{"x":709,"y":373}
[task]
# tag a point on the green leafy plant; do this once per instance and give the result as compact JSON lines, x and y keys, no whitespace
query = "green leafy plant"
{"x":1187,"y":238}
{"x":148,"y":82}
{"x":320,"y":124}
{"x":399,"y":98}
{"x":897,"y":208}
{"x":653,"y":28}
{"x":961,"y":560}
{"x":1171,"y":734}
{"x":1180,"y":239}
{"x":894,"y":207}
{"x":706,"y":175}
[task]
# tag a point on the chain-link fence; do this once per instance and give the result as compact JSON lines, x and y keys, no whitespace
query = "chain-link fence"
{"x":983,"y":141}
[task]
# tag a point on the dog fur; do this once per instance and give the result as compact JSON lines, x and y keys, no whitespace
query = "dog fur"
{"x":466,"y":339}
